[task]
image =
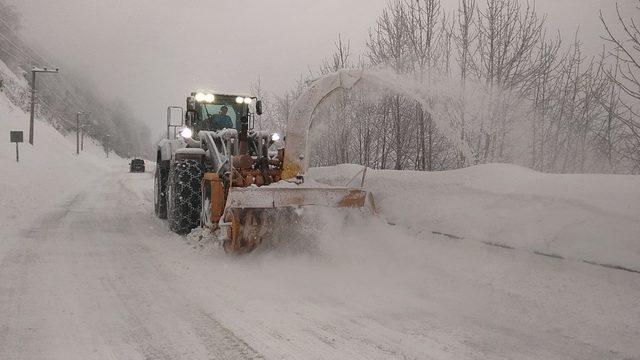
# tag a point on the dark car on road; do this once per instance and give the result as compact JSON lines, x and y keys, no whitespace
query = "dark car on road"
{"x":136,"y":165}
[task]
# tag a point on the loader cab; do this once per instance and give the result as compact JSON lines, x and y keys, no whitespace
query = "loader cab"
{"x":204,"y":109}
{"x":209,"y":113}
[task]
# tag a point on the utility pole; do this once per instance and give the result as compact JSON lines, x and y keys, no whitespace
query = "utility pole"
{"x":35,"y":70}
{"x":78,"y":133}
{"x":80,"y":128}
{"x":108,"y":146}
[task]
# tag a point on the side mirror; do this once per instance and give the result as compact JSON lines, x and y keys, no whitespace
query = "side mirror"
{"x":259,"y":107}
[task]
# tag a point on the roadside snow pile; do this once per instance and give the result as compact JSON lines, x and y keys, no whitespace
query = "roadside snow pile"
{"x":585,"y":217}
{"x":47,"y":173}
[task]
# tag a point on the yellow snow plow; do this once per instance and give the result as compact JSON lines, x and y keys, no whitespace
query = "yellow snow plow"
{"x":220,"y":173}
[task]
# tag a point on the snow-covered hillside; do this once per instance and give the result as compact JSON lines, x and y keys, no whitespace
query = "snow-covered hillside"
{"x":47,"y":171}
{"x":593,"y":218}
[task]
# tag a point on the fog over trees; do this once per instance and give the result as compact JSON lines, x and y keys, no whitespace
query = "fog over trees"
{"x":62,"y":96}
{"x":518,"y":92}
{"x":513,"y":89}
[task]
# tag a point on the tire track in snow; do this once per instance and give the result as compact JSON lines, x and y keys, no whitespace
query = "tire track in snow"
{"x":534,"y":252}
{"x":22,"y":329}
{"x":160,"y":319}
{"x":80,"y":284}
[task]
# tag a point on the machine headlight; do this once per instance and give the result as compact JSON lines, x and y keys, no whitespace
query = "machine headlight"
{"x":200,"y":97}
{"x":247,"y":100}
{"x":239,"y":100}
{"x":209,"y":98}
{"x":275,"y":137}
{"x":186,"y":133}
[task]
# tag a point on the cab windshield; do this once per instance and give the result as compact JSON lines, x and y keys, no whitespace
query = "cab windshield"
{"x":209,"y":111}
{"x":211,"y":115}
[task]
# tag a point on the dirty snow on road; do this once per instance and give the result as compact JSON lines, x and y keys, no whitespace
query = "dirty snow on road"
{"x":100,"y":278}
{"x":88,"y":272}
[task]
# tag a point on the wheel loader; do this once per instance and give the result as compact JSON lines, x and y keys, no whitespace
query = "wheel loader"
{"x":229,"y":179}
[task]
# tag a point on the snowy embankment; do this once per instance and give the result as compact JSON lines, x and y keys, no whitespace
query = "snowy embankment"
{"x":48,"y":173}
{"x":592,"y":218}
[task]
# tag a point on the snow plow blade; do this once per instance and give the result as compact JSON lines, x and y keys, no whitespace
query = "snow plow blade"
{"x":265,"y":197}
{"x":245,"y":214}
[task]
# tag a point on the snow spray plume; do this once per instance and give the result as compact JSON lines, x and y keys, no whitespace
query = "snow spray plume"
{"x":435,"y":98}
{"x":461,"y":113}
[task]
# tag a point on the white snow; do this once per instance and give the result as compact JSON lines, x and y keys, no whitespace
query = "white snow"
{"x":583,"y":217}
{"x":88,"y":272}
{"x":293,"y":184}
{"x":48,"y":172}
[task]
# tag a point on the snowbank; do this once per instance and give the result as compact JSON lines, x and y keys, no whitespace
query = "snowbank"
{"x":585,"y":217}
{"x":48,"y":172}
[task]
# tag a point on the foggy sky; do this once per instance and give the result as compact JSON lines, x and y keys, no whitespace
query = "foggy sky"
{"x":152,"y":53}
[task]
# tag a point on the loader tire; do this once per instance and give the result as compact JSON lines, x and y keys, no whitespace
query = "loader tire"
{"x":184,"y":195}
{"x":160,"y":189}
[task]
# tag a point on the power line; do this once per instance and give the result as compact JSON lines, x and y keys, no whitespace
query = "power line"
{"x":68,"y":87}
{"x":34,"y":60}
{"x":71,"y":91}
{"x":17,"y":47}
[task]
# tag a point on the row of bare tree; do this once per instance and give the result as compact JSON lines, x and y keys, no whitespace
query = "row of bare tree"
{"x":512,"y":92}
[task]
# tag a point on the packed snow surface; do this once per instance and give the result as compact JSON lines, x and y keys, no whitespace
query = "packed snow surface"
{"x":48,"y":172}
{"x":88,"y":272}
{"x":586,"y":217}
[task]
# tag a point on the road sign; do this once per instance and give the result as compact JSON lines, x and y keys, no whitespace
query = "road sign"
{"x":16,"y":137}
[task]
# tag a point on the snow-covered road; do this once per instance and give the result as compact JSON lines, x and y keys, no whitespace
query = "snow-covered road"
{"x":98,"y":277}
{"x":84,"y":283}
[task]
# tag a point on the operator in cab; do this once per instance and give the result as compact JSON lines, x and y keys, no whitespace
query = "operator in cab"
{"x":220,"y":120}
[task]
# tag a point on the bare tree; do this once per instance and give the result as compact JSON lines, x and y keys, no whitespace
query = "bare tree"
{"x":625,"y":38}
{"x":340,"y":59}
{"x":627,"y":51}
{"x":523,"y":97}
